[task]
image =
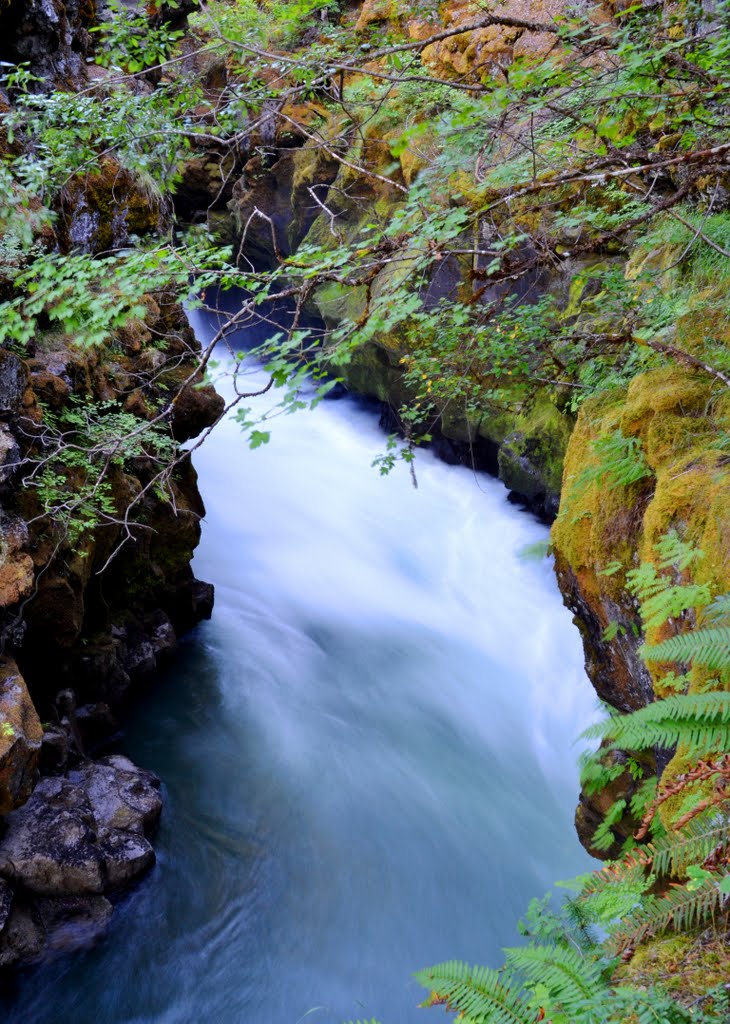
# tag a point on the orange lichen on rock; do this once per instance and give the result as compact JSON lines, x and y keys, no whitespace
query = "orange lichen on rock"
{"x":20,"y":738}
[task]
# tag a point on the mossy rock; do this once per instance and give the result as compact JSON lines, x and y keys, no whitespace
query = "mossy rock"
{"x":20,"y":738}
{"x":686,"y":965}
{"x":680,"y":418}
{"x":531,"y":456}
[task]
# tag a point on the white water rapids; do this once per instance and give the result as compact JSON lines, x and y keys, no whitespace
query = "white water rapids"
{"x":367,"y":753}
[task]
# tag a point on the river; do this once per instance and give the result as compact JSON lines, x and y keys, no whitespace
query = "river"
{"x":367,"y":754}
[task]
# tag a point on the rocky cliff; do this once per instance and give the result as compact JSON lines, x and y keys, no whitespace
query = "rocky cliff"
{"x":307,"y":169}
{"x":660,"y":397}
{"x":87,"y":615}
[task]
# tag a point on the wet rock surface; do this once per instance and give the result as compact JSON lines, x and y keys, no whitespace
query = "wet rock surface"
{"x":78,"y":840}
{"x":52,"y":36}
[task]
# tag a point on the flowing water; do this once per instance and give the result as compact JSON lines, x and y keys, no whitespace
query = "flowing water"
{"x":367,"y":753}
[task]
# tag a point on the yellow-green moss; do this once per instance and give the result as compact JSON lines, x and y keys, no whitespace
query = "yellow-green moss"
{"x":685,"y":965}
{"x":677,"y":416}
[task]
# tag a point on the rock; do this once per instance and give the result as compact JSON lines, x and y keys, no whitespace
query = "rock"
{"x":195,"y":408}
{"x":593,"y":807}
{"x":9,"y":454}
{"x":121,"y":796}
{"x":23,"y":937}
{"x":517,"y":470}
{"x":49,"y":846}
{"x":94,"y":725}
{"x":102,"y":209}
{"x":13,"y":382}
{"x":50,"y":388}
{"x":76,"y":839}
{"x":54,"y":751}
{"x":16,"y":565}
{"x":71,"y":923}
{"x":272,"y":205}
{"x":6,"y":902}
{"x":56,"y":613}
{"x":126,"y":857}
{"x":20,"y":737}
{"x":83,"y":834}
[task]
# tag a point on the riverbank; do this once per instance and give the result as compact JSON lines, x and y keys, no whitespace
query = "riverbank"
{"x":374,"y":743}
{"x":508,"y":305}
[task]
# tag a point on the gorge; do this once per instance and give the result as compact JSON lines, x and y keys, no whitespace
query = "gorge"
{"x":356,"y":751}
{"x":510,"y":245}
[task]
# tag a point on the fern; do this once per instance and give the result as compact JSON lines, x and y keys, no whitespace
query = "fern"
{"x":709,"y":647}
{"x":604,"y":838}
{"x":477,"y":993}
{"x":660,"y":598}
{"x":663,"y":595}
{"x":570,"y":978}
{"x":621,"y":462}
{"x":667,"y":856}
{"x":641,"y":1006}
{"x":719,"y":610}
{"x":679,"y":908}
{"x":699,"y":721}
{"x":675,"y":553}
{"x":672,"y":854}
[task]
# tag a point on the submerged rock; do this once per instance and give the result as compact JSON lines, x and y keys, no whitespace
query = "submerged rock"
{"x":72,"y":922}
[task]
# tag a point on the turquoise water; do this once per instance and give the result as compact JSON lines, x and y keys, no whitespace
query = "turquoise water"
{"x":367,"y":753}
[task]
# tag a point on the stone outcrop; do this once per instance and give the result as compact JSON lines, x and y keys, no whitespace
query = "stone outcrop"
{"x":82,"y":640}
{"x":20,"y":738}
{"x":52,"y":36}
{"x":98,"y":633}
{"x":78,"y":840}
{"x":675,"y":414}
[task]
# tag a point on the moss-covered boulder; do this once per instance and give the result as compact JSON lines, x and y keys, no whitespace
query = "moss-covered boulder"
{"x":101,"y":210}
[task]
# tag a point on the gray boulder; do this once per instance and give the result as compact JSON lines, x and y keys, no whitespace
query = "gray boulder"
{"x":83,"y":834}
{"x":121,"y":795}
{"x":49,"y":846}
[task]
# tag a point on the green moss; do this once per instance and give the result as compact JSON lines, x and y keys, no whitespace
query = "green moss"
{"x":675,"y":415}
{"x":543,"y":436}
{"x":685,"y":965}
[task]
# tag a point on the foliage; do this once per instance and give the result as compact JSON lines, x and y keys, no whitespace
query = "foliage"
{"x":81,"y":448}
{"x":527,"y":189}
{"x":661,"y":589}
{"x":129,"y":42}
{"x":709,"y":647}
{"x":620,"y":462}
{"x":701,"y":722}
{"x":677,"y":881}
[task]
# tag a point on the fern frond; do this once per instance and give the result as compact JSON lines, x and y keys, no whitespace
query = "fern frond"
{"x":675,"y":553}
{"x":570,"y":978}
{"x":700,"y":721}
{"x":671,"y":601}
{"x":480,"y":994}
{"x":679,"y":908}
{"x":709,"y":647}
{"x":630,"y":872}
{"x":640,"y":1006}
{"x":719,"y":611}
{"x":667,"y":855}
{"x":672,"y":854}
